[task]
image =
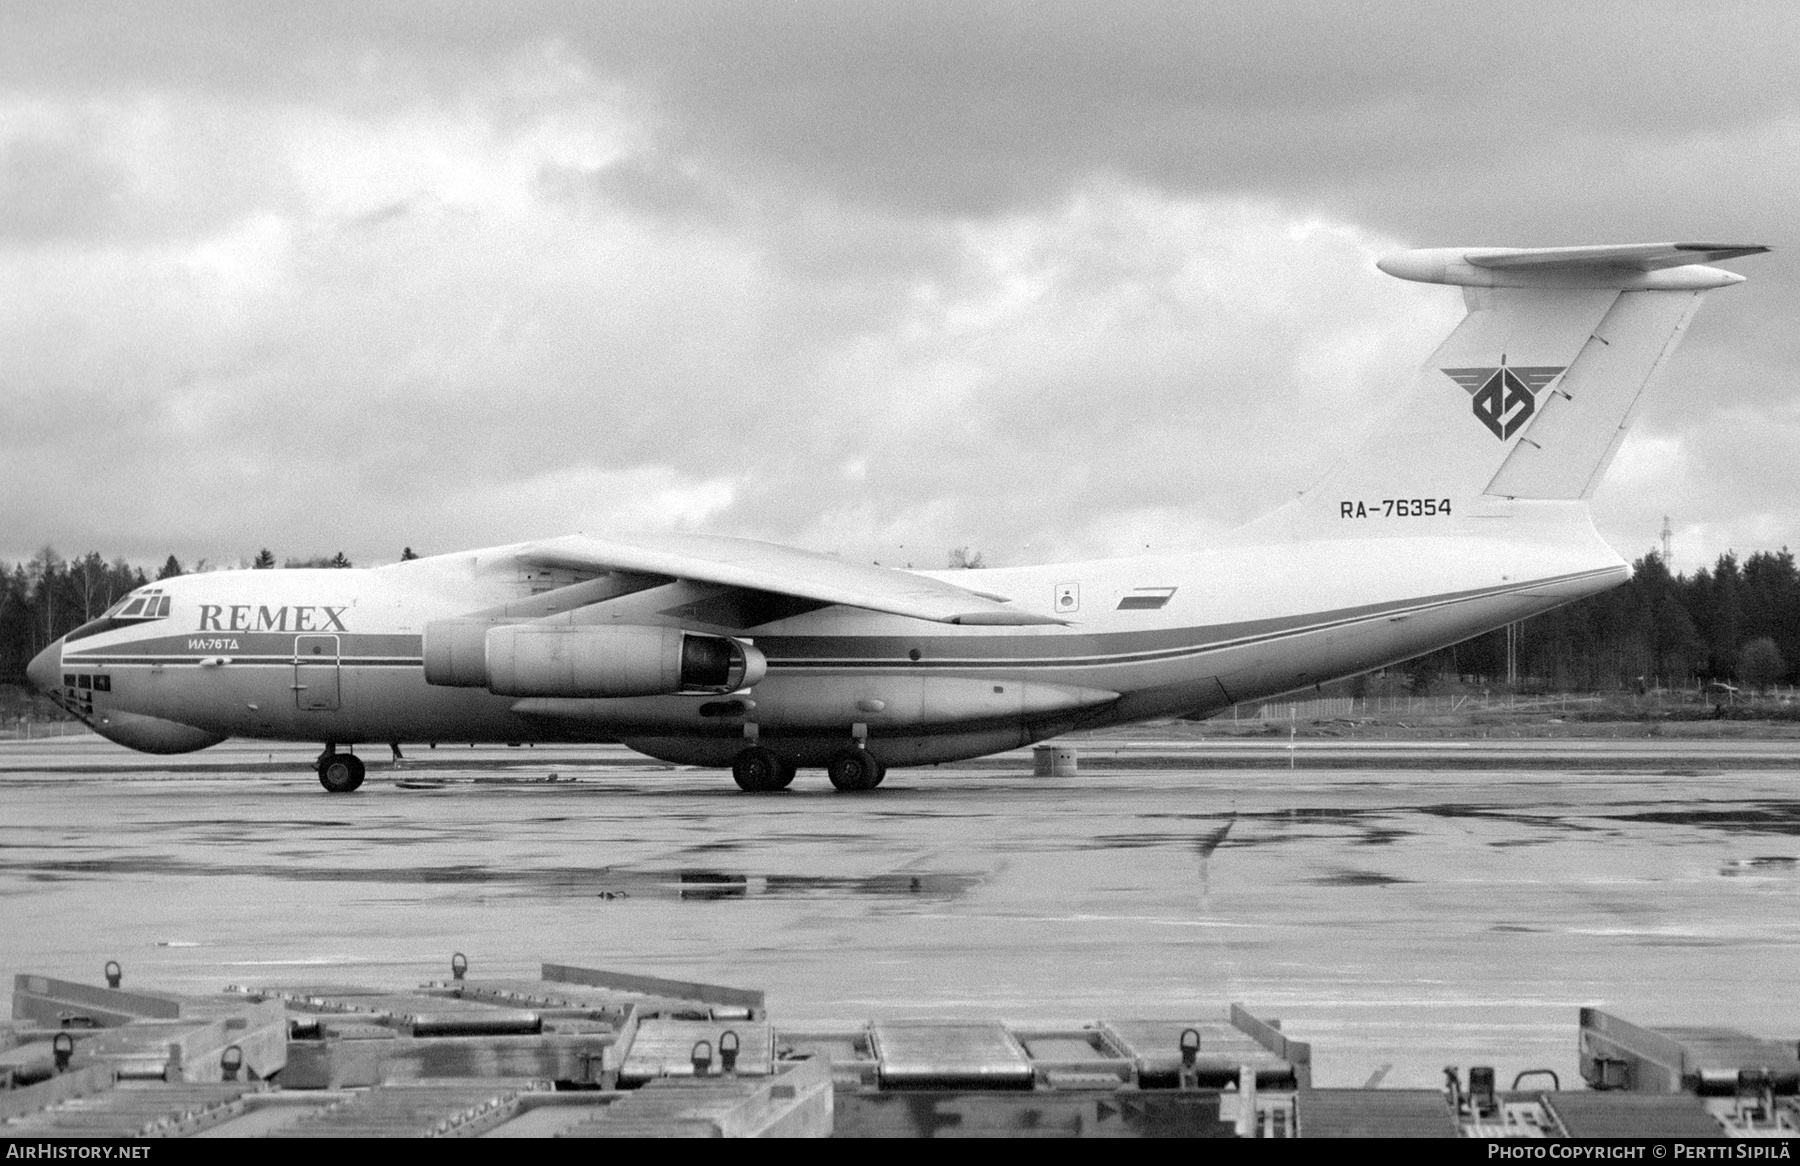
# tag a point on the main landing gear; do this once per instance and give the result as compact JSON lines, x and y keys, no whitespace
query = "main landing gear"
{"x":855,"y":770}
{"x":339,"y":773}
{"x":759,"y":770}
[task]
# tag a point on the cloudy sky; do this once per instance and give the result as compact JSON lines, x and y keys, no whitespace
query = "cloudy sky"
{"x":1040,"y":279}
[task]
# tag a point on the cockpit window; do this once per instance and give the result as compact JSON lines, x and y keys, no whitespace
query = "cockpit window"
{"x":132,"y":610}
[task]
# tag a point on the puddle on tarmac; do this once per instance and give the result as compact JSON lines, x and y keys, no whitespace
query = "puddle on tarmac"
{"x":1356,"y":878}
{"x":1277,"y":827}
{"x":1738,"y":818}
{"x":1207,"y":843}
{"x":1131,"y":841}
{"x":716,"y":885}
{"x":602,"y":882}
{"x":1763,"y":865}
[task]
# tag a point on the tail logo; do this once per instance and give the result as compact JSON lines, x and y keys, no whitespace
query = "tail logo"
{"x":1504,"y":398}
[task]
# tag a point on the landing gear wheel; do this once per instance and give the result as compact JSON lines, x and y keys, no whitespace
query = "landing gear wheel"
{"x":758,"y":770}
{"x":340,"y":773}
{"x":788,"y":770}
{"x":854,"y":770}
{"x":880,"y":773}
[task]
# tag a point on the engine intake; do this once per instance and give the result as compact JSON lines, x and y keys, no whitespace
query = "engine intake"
{"x":606,"y":661}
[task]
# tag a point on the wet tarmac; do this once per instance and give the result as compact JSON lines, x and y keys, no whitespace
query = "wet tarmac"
{"x":1452,"y":906}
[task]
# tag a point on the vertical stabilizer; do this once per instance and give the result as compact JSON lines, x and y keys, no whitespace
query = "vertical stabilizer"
{"x":1528,"y":399}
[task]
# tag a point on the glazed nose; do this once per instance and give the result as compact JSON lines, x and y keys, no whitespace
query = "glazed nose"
{"x":45,"y":669}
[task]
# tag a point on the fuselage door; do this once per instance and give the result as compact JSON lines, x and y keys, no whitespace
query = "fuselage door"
{"x":316,"y":673}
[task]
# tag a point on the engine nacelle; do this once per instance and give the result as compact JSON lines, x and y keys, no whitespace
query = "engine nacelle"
{"x":613,"y":660}
{"x":456,"y":652}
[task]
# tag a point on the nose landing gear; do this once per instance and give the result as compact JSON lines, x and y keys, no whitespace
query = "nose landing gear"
{"x":339,"y":773}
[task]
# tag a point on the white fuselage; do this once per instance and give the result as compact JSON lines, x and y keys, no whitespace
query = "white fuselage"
{"x":334,"y":656}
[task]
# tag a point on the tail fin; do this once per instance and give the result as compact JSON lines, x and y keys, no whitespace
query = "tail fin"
{"x":1530,"y":396}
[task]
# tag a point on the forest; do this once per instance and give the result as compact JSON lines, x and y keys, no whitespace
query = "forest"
{"x":1737,"y":623}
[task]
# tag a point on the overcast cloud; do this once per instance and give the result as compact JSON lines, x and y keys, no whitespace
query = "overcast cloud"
{"x":1045,"y":280}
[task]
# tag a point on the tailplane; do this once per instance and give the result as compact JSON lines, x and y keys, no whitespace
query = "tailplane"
{"x":1529,"y":398}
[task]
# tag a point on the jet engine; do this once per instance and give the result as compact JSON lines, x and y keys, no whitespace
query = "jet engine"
{"x":592,"y":661}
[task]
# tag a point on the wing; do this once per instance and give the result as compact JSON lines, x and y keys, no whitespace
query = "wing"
{"x":760,"y":566}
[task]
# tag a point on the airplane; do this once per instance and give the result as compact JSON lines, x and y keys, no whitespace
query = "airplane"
{"x":1465,"y":511}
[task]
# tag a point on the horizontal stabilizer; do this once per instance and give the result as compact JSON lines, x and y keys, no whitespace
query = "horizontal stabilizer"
{"x":1624,"y":267}
{"x":1635,"y":256}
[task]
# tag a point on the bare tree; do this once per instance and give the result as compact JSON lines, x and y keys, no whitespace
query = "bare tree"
{"x":89,"y":576}
{"x":121,"y":577}
{"x":45,"y":566}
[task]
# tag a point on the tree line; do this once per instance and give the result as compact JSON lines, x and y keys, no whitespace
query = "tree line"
{"x":1737,"y":622}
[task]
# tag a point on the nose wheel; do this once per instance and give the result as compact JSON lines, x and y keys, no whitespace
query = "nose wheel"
{"x":759,"y":770}
{"x":340,"y":773}
{"x":855,"y":770}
